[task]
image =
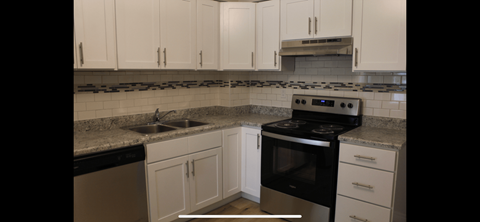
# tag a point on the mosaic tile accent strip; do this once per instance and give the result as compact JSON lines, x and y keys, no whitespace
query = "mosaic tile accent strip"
{"x":335,"y":86}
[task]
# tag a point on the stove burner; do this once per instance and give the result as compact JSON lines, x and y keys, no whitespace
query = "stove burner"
{"x":331,"y":127}
{"x":322,"y":131}
{"x":298,"y":121}
{"x":286,"y":125}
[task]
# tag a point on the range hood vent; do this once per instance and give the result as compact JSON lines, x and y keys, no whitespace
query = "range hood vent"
{"x":317,"y":47}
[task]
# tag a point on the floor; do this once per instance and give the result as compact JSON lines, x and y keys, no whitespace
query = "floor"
{"x":239,"y":206}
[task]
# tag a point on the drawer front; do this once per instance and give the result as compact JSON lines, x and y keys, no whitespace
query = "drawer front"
{"x":353,"y":181}
{"x":361,"y":155}
{"x":347,"y":207}
{"x":204,"y":141}
{"x":166,"y":149}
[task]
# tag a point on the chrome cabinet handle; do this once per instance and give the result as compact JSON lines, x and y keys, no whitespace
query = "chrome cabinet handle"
{"x":356,"y":57}
{"x":252,"y":59}
{"x":275,"y":58}
{"x":200,"y":58}
{"x":258,"y":141}
{"x":81,"y":53}
{"x":365,"y":157}
{"x":309,"y":25}
{"x":187,"y":168}
{"x":358,"y":218}
{"x":165,"y":56}
{"x":315,"y":25}
{"x":193,"y":168}
{"x":362,"y":185}
{"x":158,"y":55}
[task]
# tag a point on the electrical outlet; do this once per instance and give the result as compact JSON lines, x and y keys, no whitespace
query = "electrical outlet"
{"x":283,"y":96}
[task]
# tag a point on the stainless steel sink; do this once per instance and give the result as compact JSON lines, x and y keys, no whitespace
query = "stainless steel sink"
{"x":184,"y":123}
{"x":151,"y":129}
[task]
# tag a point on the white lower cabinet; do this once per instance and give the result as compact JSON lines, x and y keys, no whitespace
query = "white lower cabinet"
{"x":190,"y":173}
{"x":251,"y":151}
{"x":232,"y":151}
{"x":184,"y":184}
{"x":371,"y":184}
{"x":354,"y":210}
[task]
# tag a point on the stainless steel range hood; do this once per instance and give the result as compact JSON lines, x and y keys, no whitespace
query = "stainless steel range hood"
{"x":317,"y":47}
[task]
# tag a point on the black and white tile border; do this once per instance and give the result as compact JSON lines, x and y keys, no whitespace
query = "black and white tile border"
{"x":304,"y":85}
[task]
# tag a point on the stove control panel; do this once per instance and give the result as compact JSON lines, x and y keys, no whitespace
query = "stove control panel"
{"x":328,"y":104}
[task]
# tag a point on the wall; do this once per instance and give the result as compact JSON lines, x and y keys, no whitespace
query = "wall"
{"x":117,"y":93}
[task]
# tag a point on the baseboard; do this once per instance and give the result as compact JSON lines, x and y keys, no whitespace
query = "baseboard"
{"x":251,"y":197}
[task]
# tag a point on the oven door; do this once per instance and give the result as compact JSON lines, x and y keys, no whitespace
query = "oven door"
{"x":302,"y":168}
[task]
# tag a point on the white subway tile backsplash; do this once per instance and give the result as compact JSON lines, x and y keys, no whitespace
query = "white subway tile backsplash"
{"x":390,"y":104}
{"x":83,"y":115}
{"x":381,"y":112}
{"x":111,"y":104}
{"x":322,"y":70}
{"x":398,"y":114}
{"x":102,"y":96}
{"x":94,"y":105}
{"x":103,"y":113}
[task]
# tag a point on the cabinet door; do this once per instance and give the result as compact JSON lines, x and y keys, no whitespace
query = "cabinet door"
{"x":238,"y":35}
{"x":138,"y":34}
{"x":206,"y":178}
{"x":232,"y":153}
{"x":379,"y":32}
{"x":178,"y":34}
{"x":207,"y":34}
{"x":333,"y":18}
{"x":168,"y":189}
{"x":268,"y":35}
{"x":251,"y":161}
{"x":95,"y":34}
{"x":296,"y":19}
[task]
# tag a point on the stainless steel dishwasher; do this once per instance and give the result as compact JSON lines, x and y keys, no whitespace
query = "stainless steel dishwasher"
{"x":109,"y":186}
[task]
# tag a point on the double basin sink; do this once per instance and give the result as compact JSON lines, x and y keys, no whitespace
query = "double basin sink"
{"x":166,"y":126}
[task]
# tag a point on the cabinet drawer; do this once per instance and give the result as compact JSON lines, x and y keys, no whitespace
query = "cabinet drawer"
{"x":347,"y":207}
{"x":166,"y":149}
{"x":384,"y":159}
{"x":204,"y":141}
{"x":353,"y":179}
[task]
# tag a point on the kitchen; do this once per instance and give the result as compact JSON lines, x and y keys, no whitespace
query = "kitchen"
{"x":108,"y":97}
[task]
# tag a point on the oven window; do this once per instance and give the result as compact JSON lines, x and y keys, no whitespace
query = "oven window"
{"x":294,"y":164}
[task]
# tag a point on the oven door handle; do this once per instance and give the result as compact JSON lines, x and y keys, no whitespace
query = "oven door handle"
{"x":297,"y":140}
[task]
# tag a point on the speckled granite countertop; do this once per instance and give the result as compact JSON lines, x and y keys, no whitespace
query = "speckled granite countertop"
{"x":100,"y":140}
{"x":375,"y":137}
{"x":94,"y":141}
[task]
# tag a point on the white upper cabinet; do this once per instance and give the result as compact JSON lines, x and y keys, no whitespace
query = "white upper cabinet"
{"x":178,"y":34}
{"x":379,"y":35}
{"x":138,"y":34}
{"x":296,"y":19}
{"x":94,"y":22}
{"x":333,"y":18}
{"x":237,"y":33}
{"x":304,"y":19}
{"x":207,"y":34}
{"x":268,"y":35}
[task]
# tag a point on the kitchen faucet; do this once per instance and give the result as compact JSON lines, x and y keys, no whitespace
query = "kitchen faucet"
{"x":157,"y":119}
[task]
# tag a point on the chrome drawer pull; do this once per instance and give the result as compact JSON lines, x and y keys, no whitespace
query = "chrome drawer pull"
{"x":187,"y":168}
{"x":365,"y":157}
{"x":358,"y":218}
{"x":362,"y":185}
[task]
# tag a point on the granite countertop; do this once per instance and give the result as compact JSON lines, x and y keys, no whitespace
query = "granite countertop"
{"x":376,"y":137}
{"x":100,"y":140}
{"x":94,"y":141}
